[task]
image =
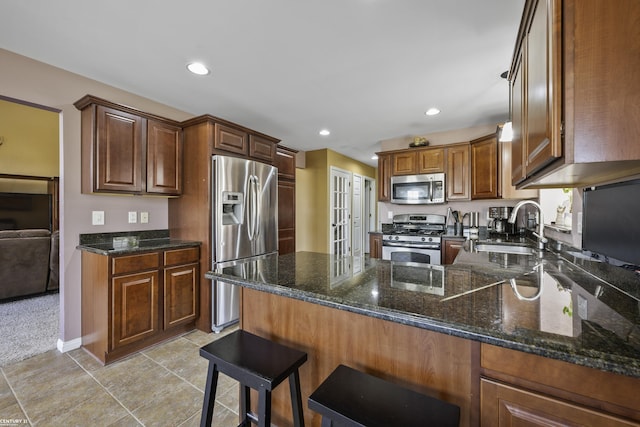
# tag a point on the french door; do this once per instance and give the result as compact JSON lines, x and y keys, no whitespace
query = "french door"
{"x":340,"y":212}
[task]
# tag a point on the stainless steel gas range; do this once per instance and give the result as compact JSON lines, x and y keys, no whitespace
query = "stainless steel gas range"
{"x":414,"y":238}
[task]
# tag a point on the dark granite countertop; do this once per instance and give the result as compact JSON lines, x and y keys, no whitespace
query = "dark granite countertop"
{"x":123,"y":243}
{"x":559,"y":304}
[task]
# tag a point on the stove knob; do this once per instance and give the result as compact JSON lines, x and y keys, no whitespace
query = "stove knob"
{"x":423,"y":239}
{"x":397,"y":238}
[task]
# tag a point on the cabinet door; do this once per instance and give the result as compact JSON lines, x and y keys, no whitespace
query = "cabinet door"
{"x":504,"y":406}
{"x":484,"y":168}
{"x":285,"y":161}
{"x":431,"y":160}
{"x":542,"y":142}
{"x":286,"y":217}
{"x":518,"y":122}
{"x":180,"y":294}
{"x":262,"y":149}
{"x":384,"y":177}
{"x":118,"y":166}
{"x":231,"y":139}
{"x":375,"y":245}
{"x":458,"y":186}
{"x":164,"y":158}
{"x":135,"y":308}
{"x":403,"y":163}
{"x":450,"y":249}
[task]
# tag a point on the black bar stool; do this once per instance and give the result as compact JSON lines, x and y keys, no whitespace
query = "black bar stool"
{"x":353,"y":398}
{"x":255,"y":363}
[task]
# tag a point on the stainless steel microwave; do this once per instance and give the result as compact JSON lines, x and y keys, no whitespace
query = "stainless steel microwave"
{"x":423,"y":189}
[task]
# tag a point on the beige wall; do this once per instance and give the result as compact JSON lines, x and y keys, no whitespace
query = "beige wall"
{"x":442,"y":138}
{"x":29,"y":138}
{"x":312,"y":196}
{"x":39,"y":83}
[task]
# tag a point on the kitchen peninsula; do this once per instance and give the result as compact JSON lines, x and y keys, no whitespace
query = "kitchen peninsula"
{"x":561,"y":341}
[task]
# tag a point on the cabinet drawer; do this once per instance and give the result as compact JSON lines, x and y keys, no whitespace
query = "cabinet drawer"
{"x":132,"y":263}
{"x":181,"y":256}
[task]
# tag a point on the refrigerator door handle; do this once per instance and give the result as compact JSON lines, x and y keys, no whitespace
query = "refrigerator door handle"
{"x":256,"y":218}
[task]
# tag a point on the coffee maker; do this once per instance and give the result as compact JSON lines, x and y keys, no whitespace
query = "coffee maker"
{"x":500,"y":220}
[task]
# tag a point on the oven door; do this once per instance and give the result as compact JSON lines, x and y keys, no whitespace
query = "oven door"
{"x":408,"y":254}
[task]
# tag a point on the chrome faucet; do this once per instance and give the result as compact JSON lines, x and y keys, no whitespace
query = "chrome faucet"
{"x":540,"y":234}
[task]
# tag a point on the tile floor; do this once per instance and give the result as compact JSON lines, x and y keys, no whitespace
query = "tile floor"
{"x":160,"y":386}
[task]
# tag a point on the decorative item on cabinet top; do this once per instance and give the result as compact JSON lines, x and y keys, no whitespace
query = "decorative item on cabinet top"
{"x":419,"y":141}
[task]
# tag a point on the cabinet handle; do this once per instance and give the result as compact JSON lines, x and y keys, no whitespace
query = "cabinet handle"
{"x":456,"y":246}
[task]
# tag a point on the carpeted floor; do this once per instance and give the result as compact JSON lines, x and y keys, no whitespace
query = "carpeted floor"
{"x":28,"y":327}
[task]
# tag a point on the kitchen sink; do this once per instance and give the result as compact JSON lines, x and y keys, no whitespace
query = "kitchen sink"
{"x":505,"y":249}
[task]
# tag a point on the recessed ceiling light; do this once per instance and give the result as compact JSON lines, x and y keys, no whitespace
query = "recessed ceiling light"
{"x":198,"y":68}
{"x":374,"y":157}
{"x":432,"y":111}
{"x":325,"y":132}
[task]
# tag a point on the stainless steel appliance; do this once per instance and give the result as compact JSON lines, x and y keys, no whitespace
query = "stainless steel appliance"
{"x":245,"y":224}
{"x":423,"y":189}
{"x":414,"y":238}
{"x":500,"y":220}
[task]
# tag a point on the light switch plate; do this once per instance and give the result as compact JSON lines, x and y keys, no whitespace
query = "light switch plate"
{"x":133,"y":217}
{"x":144,"y":217}
{"x":97,"y":218}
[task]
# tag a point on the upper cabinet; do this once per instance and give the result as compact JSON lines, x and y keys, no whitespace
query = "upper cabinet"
{"x":417,"y":161}
{"x":384,"y":177}
{"x":458,"y":177}
{"x":484,"y":168}
{"x":285,"y":161}
{"x":127,"y":151}
{"x":237,"y":140}
{"x":574,"y":86}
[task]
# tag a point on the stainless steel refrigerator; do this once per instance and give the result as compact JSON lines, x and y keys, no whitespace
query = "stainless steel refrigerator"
{"x":244,"y":224}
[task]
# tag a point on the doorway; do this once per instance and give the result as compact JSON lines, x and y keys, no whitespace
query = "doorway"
{"x":340,"y":212}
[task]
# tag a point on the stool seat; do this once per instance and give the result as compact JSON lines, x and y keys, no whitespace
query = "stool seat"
{"x":255,"y":363}
{"x":353,"y":398}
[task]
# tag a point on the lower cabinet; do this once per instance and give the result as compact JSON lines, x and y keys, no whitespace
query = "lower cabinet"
{"x":504,"y":405}
{"x":450,"y":248}
{"x":132,"y":301}
{"x":518,"y":389}
{"x":375,"y":245}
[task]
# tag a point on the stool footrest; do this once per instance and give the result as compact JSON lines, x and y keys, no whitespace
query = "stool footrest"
{"x":353,"y":398}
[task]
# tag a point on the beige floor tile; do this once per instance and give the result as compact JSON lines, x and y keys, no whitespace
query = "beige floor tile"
{"x":222,"y":417}
{"x":177,"y":404}
{"x":99,"y":409}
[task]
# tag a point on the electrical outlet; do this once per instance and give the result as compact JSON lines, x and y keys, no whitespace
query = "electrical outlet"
{"x":144,"y":217}
{"x":97,"y":218}
{"x":390,"y":215}
{"x":133,"y":217}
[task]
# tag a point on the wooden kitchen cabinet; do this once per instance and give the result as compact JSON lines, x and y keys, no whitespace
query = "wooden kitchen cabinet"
{"x":552,"y":392}
{"x":484,"y":168}
{"x":403,"y":163}
{"x":450,"y":248}
{"x":458,"y":172}
{"x":286,"y":164}
{"x":572,"y":82}
{"x":431,"y":160}
{"x":375,"y":245}
{"x":127,"y":151}
{"x":181,"y":270}
{"x":240,"y":141}
{"x":417,"y":161}
{"x":384,"y":177}
{"x":164,"y":158}
{"x":130,"y":302}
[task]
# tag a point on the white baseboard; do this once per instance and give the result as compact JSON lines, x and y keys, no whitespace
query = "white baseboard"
{"x":64,"y":346}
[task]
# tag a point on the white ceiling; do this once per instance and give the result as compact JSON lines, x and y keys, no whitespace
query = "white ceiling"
{"x":365,"y":69}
